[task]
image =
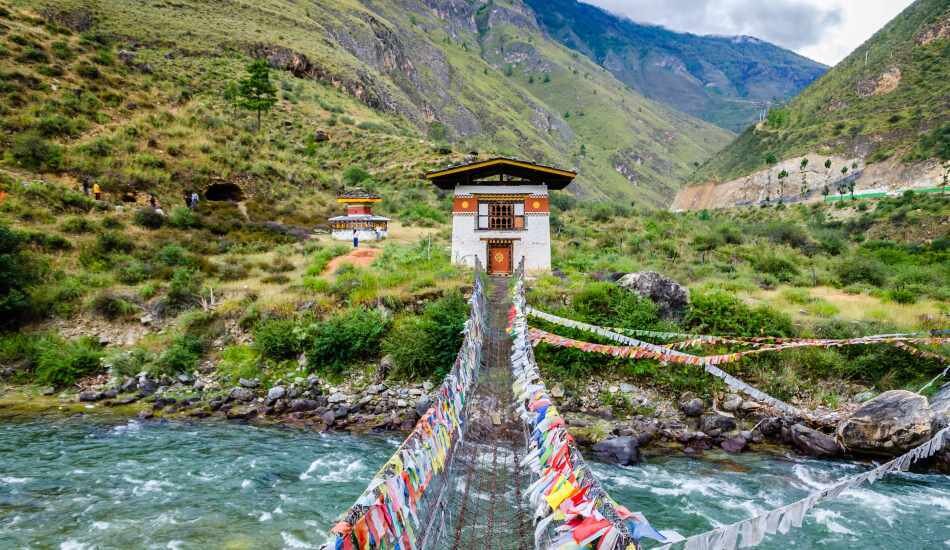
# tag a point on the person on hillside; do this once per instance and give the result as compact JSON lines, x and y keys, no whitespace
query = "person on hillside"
{"x":85,"y":187}
{"x":152,"y":201}
{"x":194,"y":200}
{"x":96,"y":191}
{"x":187,"y":196}
{"x":376,"y":232}
{"x":356,"y":239}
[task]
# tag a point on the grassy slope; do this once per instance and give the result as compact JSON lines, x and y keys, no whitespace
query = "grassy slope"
{"x":831,"y":115}
{"x":505,"y":105}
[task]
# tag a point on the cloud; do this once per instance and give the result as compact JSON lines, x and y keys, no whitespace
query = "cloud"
{"x":793,"y":24}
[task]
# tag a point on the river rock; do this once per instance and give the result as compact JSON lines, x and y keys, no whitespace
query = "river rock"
{"x":243,"y":412}
{"x":889,"y":424}
{"x":716,"y":424}
{"x":863,"y":396}
{"x":337,"y":398}
{"x":90,"y":396}
{"x":622,"y":450}
{"x":375,"y":389}
{"x":670,"y":297}
{"x":301,"y":405}
{"x":241,"y":395}
{"x":814,"y":443}
{"x":249,"y":383}
{"x":734,"y":444}
{"x":423,"y":405}
{"x":129,"y":384}
{"x":341,"y":412}
{"x":731,"y":403}
{"x":940,"y":407}
{"x":47,"y":390}
{"x":692,"y":407}
{"x":147,"y":386}
{"x":275,"y":393}
{"x":328,"y":418}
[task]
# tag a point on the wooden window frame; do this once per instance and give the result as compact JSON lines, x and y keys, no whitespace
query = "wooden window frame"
{"x":500,"y":216}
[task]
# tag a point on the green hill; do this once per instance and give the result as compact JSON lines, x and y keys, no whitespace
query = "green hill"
{"x":478,"y":76}
{"x":726,"y":80}
{"x":888,"y":100}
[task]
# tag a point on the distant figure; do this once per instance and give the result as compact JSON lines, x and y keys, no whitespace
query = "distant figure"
{"x":96,"y":191}
{"x":151,"y":201}
{"x":187,"y":199}
{"x":356,"y":239}
{"x":85,"y":187}
{"x":194,"y":201}
{"x":376,"y":232}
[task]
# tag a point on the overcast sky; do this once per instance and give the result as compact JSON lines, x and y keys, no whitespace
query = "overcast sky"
{"x":824,"y":30}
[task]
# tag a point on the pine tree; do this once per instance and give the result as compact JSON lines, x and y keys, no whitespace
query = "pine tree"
{"x":257,"y":93}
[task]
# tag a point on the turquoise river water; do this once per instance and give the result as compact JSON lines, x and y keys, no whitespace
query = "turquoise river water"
{"x":80,"y":484}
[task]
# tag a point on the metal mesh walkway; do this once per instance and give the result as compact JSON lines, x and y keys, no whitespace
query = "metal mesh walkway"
{"x":487,"y":507}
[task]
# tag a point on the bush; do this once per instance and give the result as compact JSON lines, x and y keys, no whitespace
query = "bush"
{"x":149,"y":218}
{"x":132,"y":271}
{"x":239,"y":362}
{"x":277,"y":338}
{"x":120,"y":362}
{"x":77,"y":225}
{"x":31,"y":151}
{"x":111,"y":242}
{"x":18,"y":273}
{"x":427,"y":345}
{"x":861,"y":269}
{"x":348,"y":336}
{"x":181,"y":356}
{"x":61,"y":363}
{"x":182,"y":218}
{"x":718,"y":312}
{"x":782,"y":268}
{"x":112,"y":306}
{"x":184,"y":287}
{"x":174,"y":255}
{"x":355,"y":175}
{"x":607,"y":304}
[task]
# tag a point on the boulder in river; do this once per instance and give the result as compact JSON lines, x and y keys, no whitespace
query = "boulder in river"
{"x":735,"y":444}
{"x":716,"y":424}
{"x":241,"y":394}
{"x":889,"y":424}
{"x":301,"y":405}
{"x":90,"y":396}
{"x":814,"y":443}
{"x":670,"y":297}
{"x":692,"y":407}
{"x":940,"y":407}
{"x":275,"y":393}
{"x":623,"y":450}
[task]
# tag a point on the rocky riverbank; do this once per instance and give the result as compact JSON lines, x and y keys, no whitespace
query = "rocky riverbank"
{"x":617,"y":420}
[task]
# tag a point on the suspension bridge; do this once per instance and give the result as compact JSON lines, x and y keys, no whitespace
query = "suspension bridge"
{"x":491,"y":464}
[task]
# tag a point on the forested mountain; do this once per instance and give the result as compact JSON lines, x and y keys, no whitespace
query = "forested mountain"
{"x":726,"y":80}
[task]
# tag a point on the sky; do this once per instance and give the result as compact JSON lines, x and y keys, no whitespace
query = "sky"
{"x":823,"y":30}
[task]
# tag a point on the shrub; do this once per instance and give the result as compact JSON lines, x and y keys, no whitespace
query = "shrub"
{"x":181,"y":356}
{"x":184,"y":287}
{"x":77,"y":225}
{"x":174,"y":255}
{"x":61,"y":363}
{"x":132,"y":271}
{"x":112,"y":306}
{"x":239,"y":362}
{"x":182,"y":218}
{"x":346,"y":337}
{"x":277,"y":338}
{"x":120,"y":362}
{"x":718,"y":312}
{"x":149,"y":218}
{"x":861,"y":269}
{"x":355,"y":175}
{"x":782,"y":268}
{"x":607,"y":304}
{"x":18,"y":272}
{"x":427,"y":345}
{"x":31,"y":151}
{"x":111,"y":242}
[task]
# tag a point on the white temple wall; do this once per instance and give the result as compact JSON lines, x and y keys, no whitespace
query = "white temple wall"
{"x":364,"y":234}
{"x":534,"y":242}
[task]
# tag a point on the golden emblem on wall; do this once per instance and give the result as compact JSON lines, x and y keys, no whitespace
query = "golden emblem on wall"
{"x":464,"y":204}
{"x":499,"y":257}
{"x":536,"y":204}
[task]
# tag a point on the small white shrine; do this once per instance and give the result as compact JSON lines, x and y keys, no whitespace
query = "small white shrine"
{"x":359,"y":220}
{"x":501,"y":212}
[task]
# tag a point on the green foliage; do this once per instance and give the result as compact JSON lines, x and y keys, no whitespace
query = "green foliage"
{"x":355,"y":175}
{"x":18,"y":273}
{"x":256,"y":92}
{"x":240,"y":362}
{"x":861,"y":269}
{"x":427,"y":345}
{"x":32,"y":151}
{"x":182,"y":355}
{"x":777,"y":118}
{"x":345,"y":337}
{"x":184,"y":287}
{"x":182,"y":218}
{"x":61,"y":363}
{"x":277,"y":339}
{"x":718,"y":312}
{"x":607,"y":304}
{"x":149,"y":218}
{"x":112,"y":306}
{"x":77,"y":225}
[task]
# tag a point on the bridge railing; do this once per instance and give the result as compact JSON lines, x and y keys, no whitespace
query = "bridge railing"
{"x":404,"y":503}
{"x":571,"y":504}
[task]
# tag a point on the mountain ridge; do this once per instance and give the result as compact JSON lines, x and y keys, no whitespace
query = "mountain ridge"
{"x":704,"y":75}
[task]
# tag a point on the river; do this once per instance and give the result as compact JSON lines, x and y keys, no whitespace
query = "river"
{"x":82,"y":484}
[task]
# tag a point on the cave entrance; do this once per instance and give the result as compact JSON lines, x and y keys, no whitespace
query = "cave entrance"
{"x":224,"y":192}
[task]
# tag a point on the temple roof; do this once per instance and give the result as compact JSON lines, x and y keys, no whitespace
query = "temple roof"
{"x":359,"y":218}
{"x":528,"y":173}
{"x":358,"y":195}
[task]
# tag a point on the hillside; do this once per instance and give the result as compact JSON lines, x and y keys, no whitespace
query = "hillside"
{"x":724,"y":80}
{"x":887,"y":103}
{"x":479,"y":77}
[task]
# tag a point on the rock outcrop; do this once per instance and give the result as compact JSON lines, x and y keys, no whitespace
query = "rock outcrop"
{"x":814,"y":443}
{"x":623,"y":450}
{"x":670,"y":297}
{"x":890,"y":424}
{"x":940,"y":407}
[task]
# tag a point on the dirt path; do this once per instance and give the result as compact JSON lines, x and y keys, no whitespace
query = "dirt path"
{"x":360,"y":257}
